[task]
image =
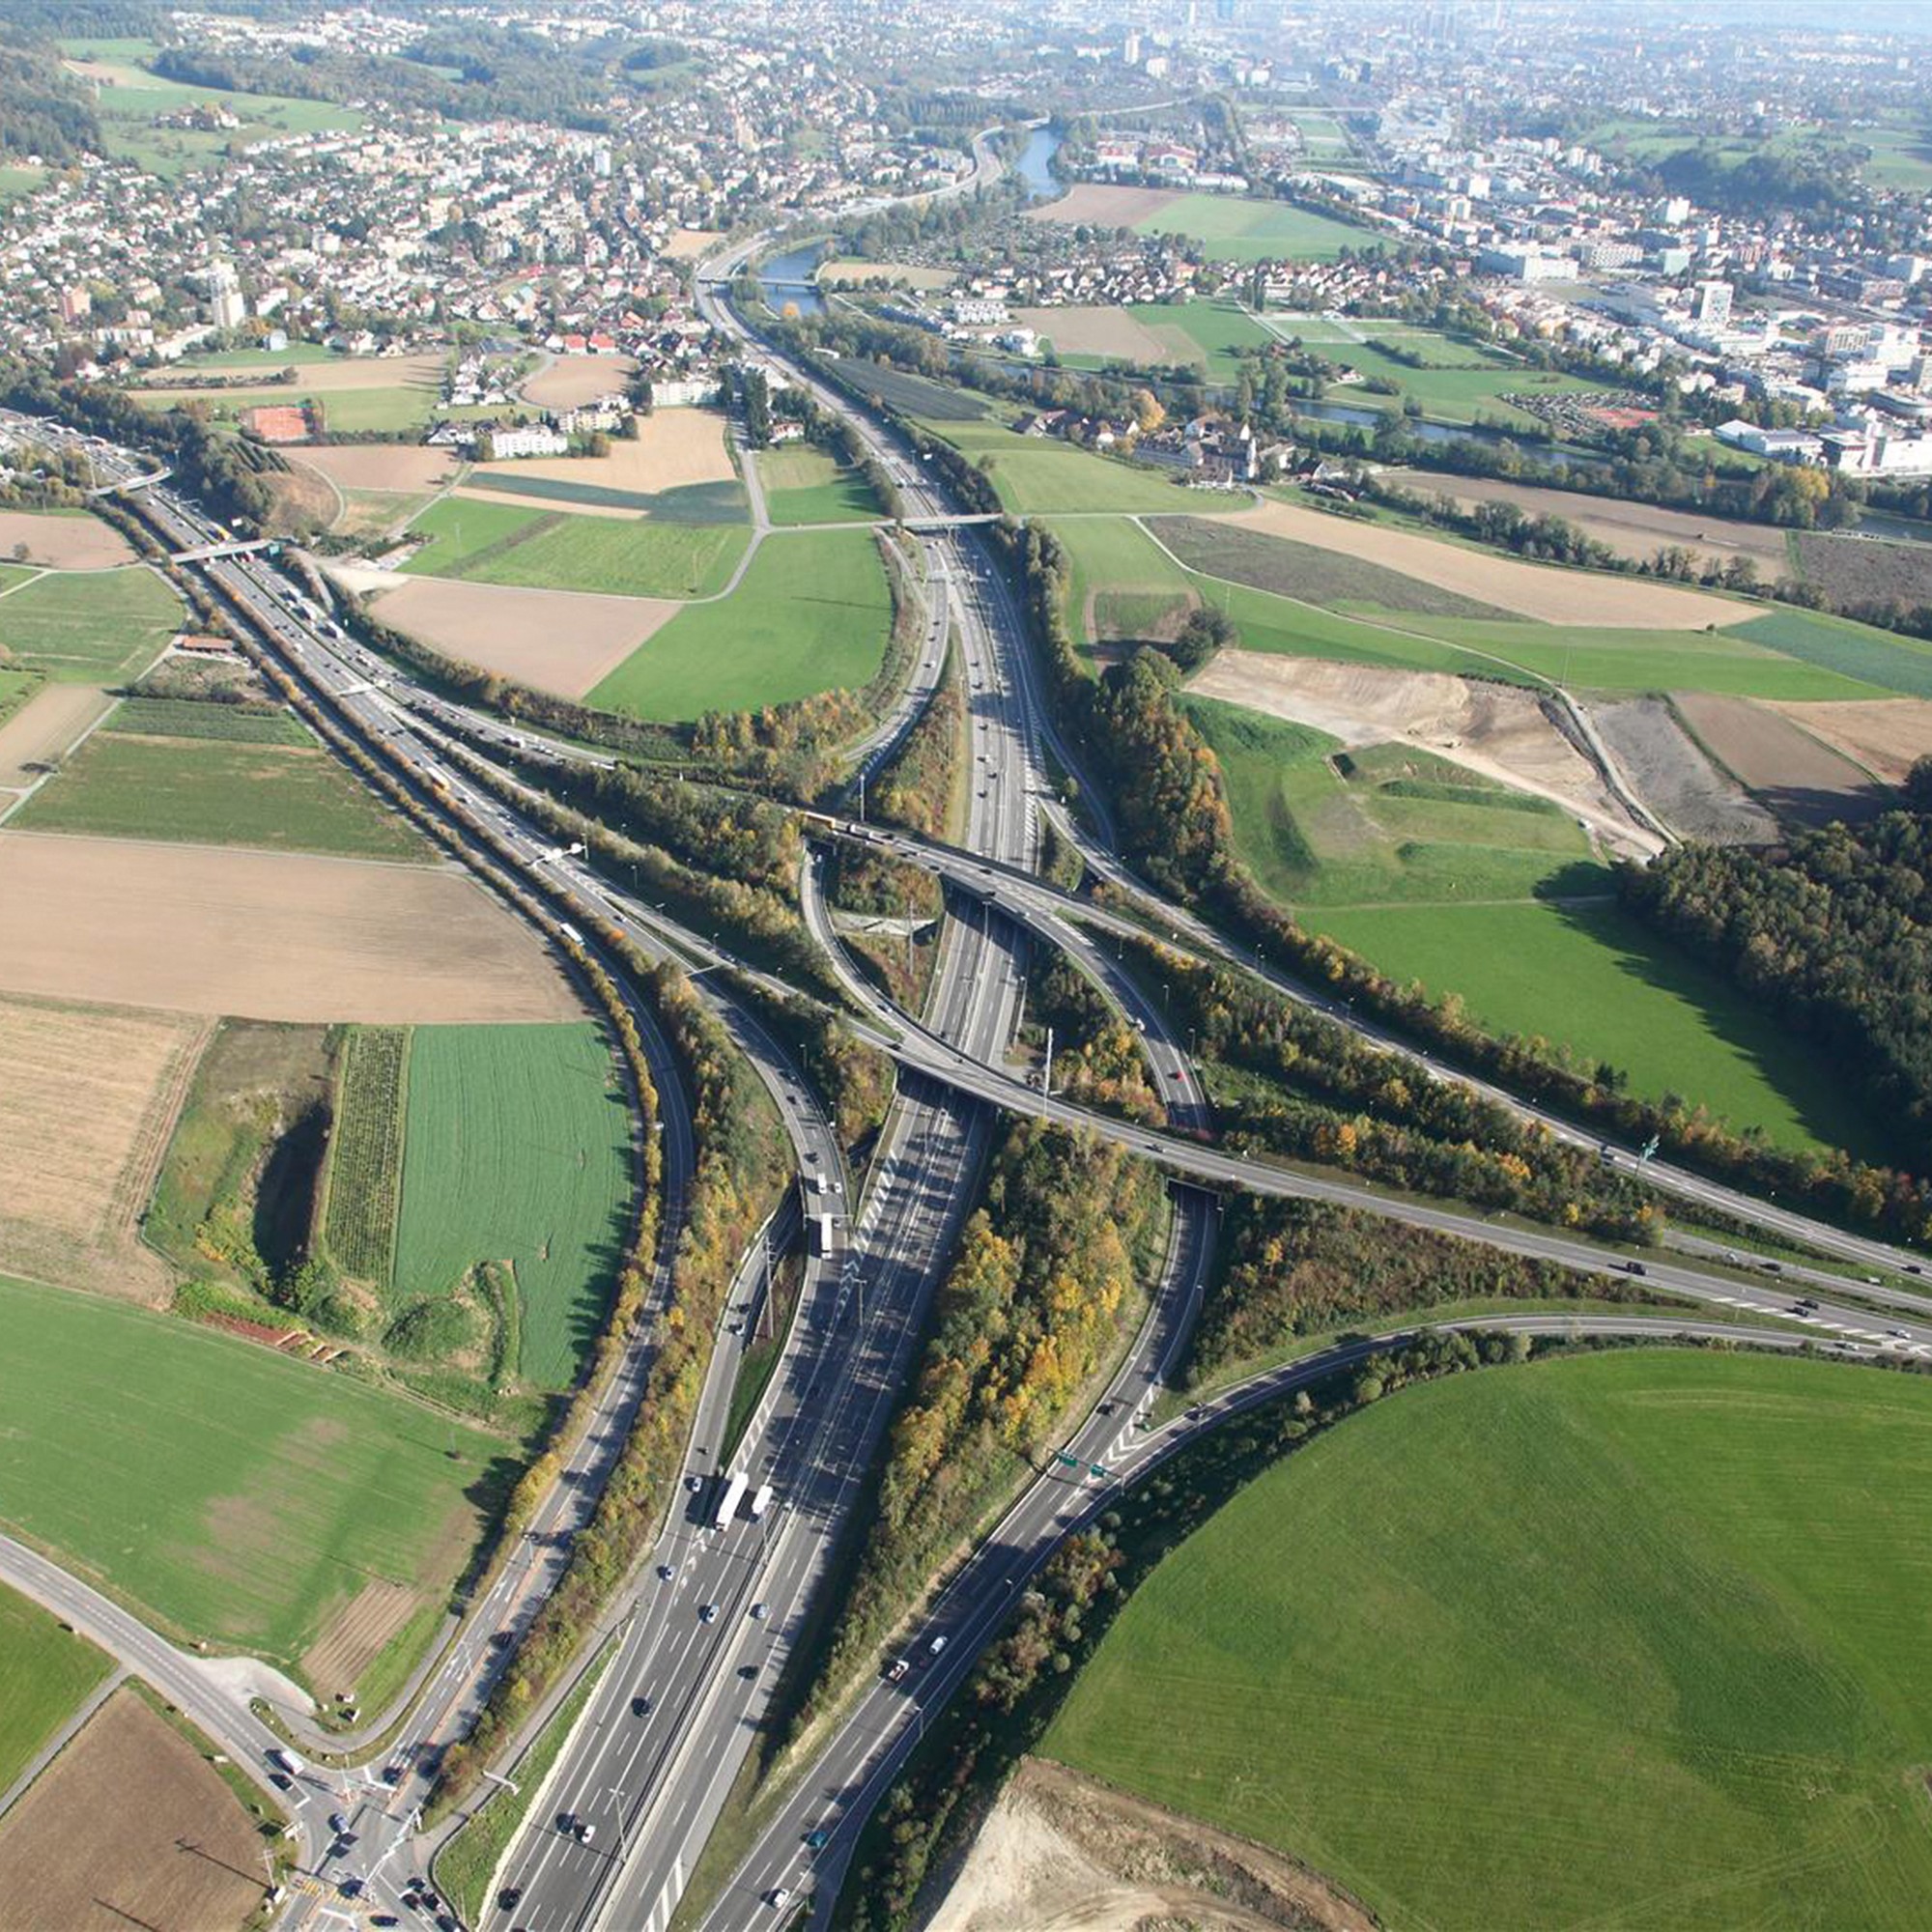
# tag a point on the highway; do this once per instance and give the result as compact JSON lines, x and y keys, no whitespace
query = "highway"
{"x":648,"y":1769}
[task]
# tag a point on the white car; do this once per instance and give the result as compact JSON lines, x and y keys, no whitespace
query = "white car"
{"x":780,"y":1899}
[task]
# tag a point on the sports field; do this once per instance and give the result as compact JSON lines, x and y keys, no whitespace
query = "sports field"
{"x":810,"y":486}
{"x":92,"y":626}
{"x":517,"y":1149}
{"x":1588,"y":977}
{"x":546,"y":549}
{"x":1237,"y":229}
{"x":1320,"y":825}
{"x":1631,"y":1639}
{"x":219,"y":1487}
{"x":44,"y":1673}
{"x":812,"y":614}
{"x":211,"y":792}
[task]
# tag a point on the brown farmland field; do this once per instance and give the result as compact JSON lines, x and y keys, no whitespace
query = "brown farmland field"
{"x":1637,"y":530}
{"x":43,"y":727}
{"x":321,"y":379}
{"x":569,"y":379}
{"x":382,"y":466}
{"x":674,"y":448}
{"x":1106,"y":205}
{"x":1076,"y":330}
{"x":1798,"y":779}
{"x":688,"y":243}
{"x":88,"y":1097}
{"x":129,"y":1826}
{"x":1549,"y":595}
{"x":264,"y":935}
{"x":67,"y":543}
{"x":1885,"y":735}
{"x":560,"y":640}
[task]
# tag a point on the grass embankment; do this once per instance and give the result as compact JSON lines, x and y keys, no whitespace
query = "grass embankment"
{"x":803,"y":485}
{"x":46,"y":1671}
{"x":1628,"y":1636}
{"x":810,"y":614}
{"x":220,"y":1488}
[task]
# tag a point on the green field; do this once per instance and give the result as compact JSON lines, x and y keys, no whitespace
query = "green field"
{"x":219,"y":1487}
{"x":720,"y":502}
{"x":1628,"y":1641}
{"x":213,"y":793}
{"x":1465,"y":381}
{"x":517,"y":1149}
{"x":503,"y":543}
{"x":46,"y":1671}
{"x":1206,"y":332}
{"x":1839,"y":648}
{"x":15,"y":688}
{"x":391,"y":407}
{"x":1589,"y":978}
{"x":1237,"y":229}
{"x":1039,"y":476}
{"x":803,"y":485}
{"x":365,"y":1153}
{"x":193,"y":717}
{"x":89,"y":626}
{"x":1320,"y":825}
{"x":812,"y":614}
{"x":14,"y":182}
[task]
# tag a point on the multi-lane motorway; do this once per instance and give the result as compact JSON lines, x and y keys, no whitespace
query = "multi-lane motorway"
{"x":713,"y":1622}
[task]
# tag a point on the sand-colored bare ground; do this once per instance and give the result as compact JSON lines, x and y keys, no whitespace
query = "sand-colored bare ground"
{"x":686,"y":245}
{"x":1674,"y":777}
{"x":382,"y":466}
{"x":43,"y":727}
{"x":560,"y":640}
{"x":911,"y":273}
{"x":356,"y":1634}
{"x":1540,"y":591}
{"x":1500,"y":730}
{"x":1884,"y":734}
{"x":1104,"y":204}
{"x":1799,"y":780}
{"x":129,"y":1826}
{"x":264,"y":935}
{"x":1064,"y":1853}
{"x":1637,"y":530}
{"x":321,"y":379}
{"x":1093,"y":331}
{"x":566,"y":381}
{"x":66,"y":542}
{"x":88,"y":1097}
{"x":674,"y":449}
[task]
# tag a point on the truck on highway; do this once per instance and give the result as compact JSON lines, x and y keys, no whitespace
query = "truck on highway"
{"x":761,"y":1501}
{"x":821,"y":1234}
{"x":727,"y":1504}
{"x":278,"y":1754}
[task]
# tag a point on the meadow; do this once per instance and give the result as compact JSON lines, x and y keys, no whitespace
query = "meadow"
{"x":193,"y":717}
{"x":517,"y":1149}
{"x":218,"y":1487}
{"x":206,"y":792}
{"x":1589,"y":979}
{"x":1401,"y":824}
{"x":1039,"y":476}
{"x":803,"y":485}
{"x":505,"y":543}
{"x":1625,"y":1639}
{"x":1209,"y":333}
{"x":1461,"y":382}
{"x":812,"y":614}
{"x":88,"y":627}
{"x":1843,"y":650}
{"x":1237,"y":229}
{"x":46,"y":1671}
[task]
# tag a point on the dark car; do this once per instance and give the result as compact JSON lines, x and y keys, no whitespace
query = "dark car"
{"x":509,"y":1897}
{"x":640,"y":1707}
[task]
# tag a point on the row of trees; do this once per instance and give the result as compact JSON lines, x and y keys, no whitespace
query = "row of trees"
{"x":1034,"y":1304}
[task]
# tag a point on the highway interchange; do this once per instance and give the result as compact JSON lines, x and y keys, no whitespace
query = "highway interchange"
{"x":648,"y":1768}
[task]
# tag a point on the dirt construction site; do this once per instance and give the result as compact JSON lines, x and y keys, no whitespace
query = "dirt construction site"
{"x":1063,"y":1853}
{"x":1501,"y":731}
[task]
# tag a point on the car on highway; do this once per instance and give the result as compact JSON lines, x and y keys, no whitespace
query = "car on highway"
{"x":338,"y":1823}
{"x":640,"y":1707}
{"x":937,"y":1645}
{"x":897,"y":1670}
{"x":781,"y":1897}
{"x":816,"y":1841}
{"x":665,"y":1572}
{"x":758,"y":1613}
{"x":510,"y":1898}
{"x":707,"y":1613}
